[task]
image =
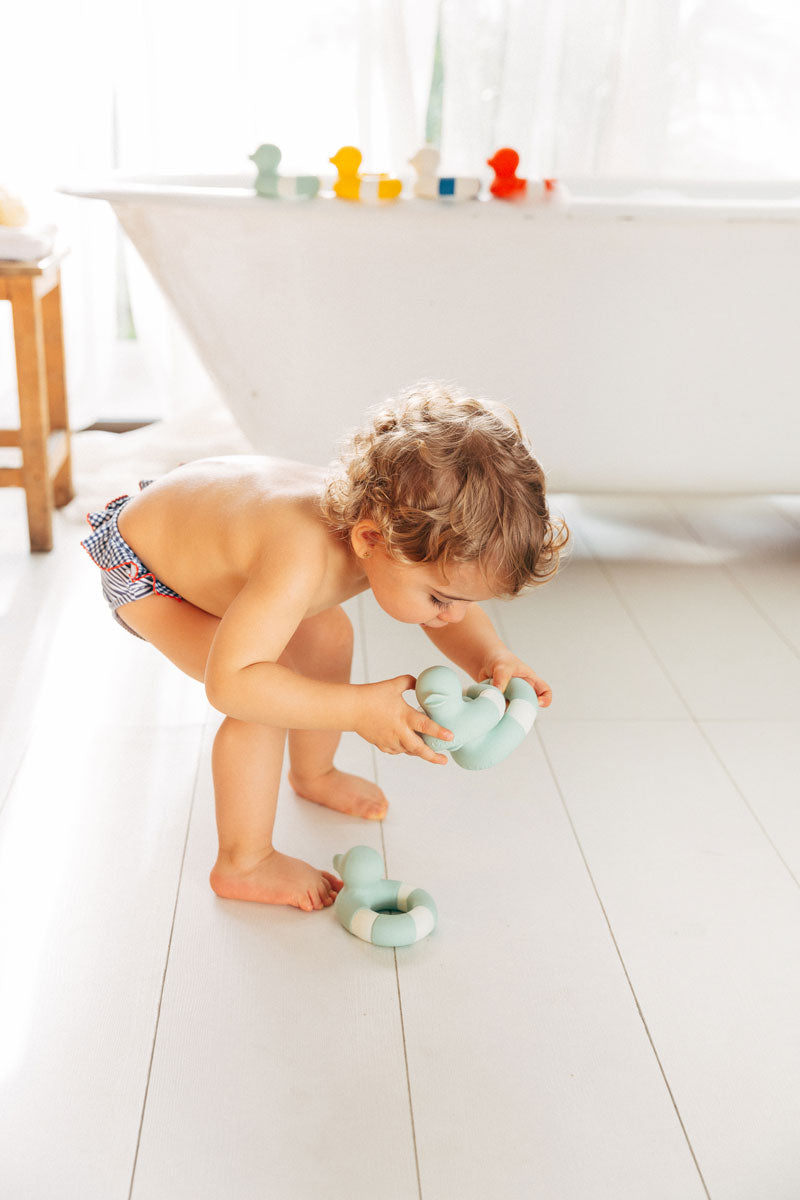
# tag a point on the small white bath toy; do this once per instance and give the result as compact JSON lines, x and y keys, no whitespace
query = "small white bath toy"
{"x":430,"y":185}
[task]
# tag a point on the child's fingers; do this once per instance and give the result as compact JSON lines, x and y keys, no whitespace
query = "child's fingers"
{"x":429,"y":755}
{"x":419,"y":749}
{"x":543,"y":691}
{"x":431,"y":729}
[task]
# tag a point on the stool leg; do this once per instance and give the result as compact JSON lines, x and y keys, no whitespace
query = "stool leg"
{"x":33,"y":417}
{"x":57,"y":390}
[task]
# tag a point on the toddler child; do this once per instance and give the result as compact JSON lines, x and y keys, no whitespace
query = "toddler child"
{"x":236,"y":568}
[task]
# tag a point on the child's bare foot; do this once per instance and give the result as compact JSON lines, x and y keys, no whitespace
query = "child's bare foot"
{"x":274,"y":879}
{"x":346,"y":793}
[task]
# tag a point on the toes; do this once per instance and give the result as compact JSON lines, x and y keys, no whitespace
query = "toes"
{"x":320,"y":895}
{"x":328,"y":888}
{"x":328,"y":891}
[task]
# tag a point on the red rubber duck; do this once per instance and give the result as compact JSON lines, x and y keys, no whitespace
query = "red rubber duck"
{"x":506,"y":185}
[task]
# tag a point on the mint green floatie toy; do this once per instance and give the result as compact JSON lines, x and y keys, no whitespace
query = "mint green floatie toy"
{"x":485,"y":730}
{"x":270,"y":183}
{"x":377,"y":910}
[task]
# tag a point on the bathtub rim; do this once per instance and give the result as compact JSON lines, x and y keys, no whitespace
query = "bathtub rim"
{"x":625,"y":199}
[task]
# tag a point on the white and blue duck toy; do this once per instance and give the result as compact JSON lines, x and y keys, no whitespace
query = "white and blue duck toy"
{"x":485,"y":729}
{"x":430,"y":185}
{"x":382,"y":911}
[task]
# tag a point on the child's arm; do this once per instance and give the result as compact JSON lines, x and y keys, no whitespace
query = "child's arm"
{"x":474,"y":645}
{"x":244,"y":679}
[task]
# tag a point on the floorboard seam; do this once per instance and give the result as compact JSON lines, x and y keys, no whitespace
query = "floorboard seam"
{"x":746,"y":802}
{"x":200,"y":757}
{"x":376,"y":773}
{"x":698,"y":723}
{"x":628,"y":979}
{"x":15,"y":773}
{"x":408,"y":1081}
{"x":408,"y":1076}
{"x":740,"y":586}
{"x":551,"y":768}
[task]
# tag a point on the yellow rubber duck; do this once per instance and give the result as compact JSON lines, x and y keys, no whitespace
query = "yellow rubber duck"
{"x":352,"y":186}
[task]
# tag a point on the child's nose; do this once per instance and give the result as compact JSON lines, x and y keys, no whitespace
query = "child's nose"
{"x":455,"y":614}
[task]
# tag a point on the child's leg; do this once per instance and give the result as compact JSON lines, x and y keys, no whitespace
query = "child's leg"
{"x":246,"y":762}
{"x":322,"y":649}
{"x":247,"y":767}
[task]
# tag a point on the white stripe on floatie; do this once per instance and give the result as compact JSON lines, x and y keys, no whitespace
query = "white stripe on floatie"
{"x":496,"y":697}
{"x":361,"y":923}
{"x":369,"y":188}
{"x":523,"y":712}
{"x":466,"y":187}
{"x":403,"y":893}
{"x":422,"y":917}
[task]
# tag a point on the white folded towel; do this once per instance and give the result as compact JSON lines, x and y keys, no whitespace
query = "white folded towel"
{"x":27,"y":244}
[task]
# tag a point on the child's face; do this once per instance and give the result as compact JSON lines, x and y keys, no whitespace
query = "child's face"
{"x":419,"y":593}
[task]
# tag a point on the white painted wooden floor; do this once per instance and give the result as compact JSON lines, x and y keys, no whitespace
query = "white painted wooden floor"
{"x":610,"y":1007}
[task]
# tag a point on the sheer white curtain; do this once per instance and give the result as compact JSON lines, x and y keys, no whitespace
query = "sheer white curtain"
{"x":698,"y":89}
{"x":598,"y":88}
{"x":195,"y":94}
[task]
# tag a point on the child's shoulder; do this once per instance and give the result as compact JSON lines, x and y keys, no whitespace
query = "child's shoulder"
{"x":280,"y":502}
{"x":261,"y":472}
{"x":232,"y":483}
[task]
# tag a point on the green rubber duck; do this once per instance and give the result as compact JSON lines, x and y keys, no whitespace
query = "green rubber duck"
{"x":269,"y":183}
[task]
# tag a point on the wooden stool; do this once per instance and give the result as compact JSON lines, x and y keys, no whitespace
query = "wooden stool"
{"x":34,"y":289}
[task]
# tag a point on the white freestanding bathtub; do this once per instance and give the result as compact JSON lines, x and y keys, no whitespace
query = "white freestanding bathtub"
{"x":647,"y":338}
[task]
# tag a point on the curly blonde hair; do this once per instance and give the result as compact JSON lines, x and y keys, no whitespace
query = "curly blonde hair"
{"x":448,"y":478}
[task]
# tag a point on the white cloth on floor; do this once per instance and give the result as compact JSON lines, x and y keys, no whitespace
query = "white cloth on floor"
{"x":107,"y":464}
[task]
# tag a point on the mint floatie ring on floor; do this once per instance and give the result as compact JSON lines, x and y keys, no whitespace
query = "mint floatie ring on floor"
{"x":484,"y":729}
{"x":378,"y":910}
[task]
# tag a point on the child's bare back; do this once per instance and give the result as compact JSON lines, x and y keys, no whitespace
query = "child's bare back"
{"x":205,"y":527}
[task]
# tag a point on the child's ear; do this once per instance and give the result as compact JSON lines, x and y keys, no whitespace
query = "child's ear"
{"x":364,"y":537}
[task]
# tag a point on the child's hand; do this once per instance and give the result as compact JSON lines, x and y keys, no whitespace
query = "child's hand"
{"x":504,"y":667}
{"x":386,"y":721}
